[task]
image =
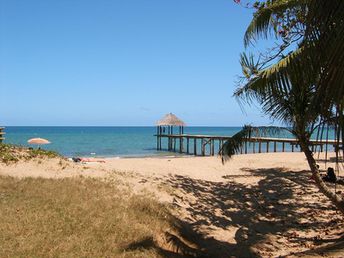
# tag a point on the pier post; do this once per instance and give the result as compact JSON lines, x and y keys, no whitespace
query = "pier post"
{"x":254,"y":147}
{"x":160,"y":143}
{"x":267,"y":146}
{"x":157,"y":137}
{"x":202,"y":147}
{"x":160,"y":139}
{"x":195,"y":146}
{"x":212,"y":147}
{"x":168,"y":139}
{"x":187,"y":145}
{"x":283,"y":146}
{"x":2,"y":133}
{"x":275,"y":146}
{"x":260,"y":147}
{"x":181,"y":144}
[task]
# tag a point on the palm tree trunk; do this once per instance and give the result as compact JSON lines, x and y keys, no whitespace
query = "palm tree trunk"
{"x":335,"y":199}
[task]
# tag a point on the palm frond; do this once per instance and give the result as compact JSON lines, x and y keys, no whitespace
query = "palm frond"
{"x":325,"y":30}
{"x":249,"y":66}
{"x":285,"y":90}
{"x":263,"y":24}
{"x":274,"y":78}
{"x":236,"y":142}
{"x":267,"y":131}
{"x":267,"y":84}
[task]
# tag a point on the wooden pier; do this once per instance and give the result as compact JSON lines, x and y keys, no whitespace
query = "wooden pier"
{"x":210,"y":144}
{"x":2,"y":133}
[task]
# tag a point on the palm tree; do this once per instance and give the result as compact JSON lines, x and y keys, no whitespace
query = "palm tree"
{"x":325,"y":30}
{"x":293,"y":107}
{"x":320,"y":39}
{"x":289,"y":89}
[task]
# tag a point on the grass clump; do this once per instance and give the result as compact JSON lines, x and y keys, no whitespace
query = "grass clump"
{"x":37,"y":153}
{"x":11,"y":153}
{"x":75,"y":217}
{"x":7,"y":154}
{"x":8,"y":158}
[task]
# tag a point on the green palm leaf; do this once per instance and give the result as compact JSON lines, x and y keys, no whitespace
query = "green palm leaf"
{"x":237,"y":141}
{"x":263,"y":25}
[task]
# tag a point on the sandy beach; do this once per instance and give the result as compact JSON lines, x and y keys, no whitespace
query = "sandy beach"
{"x":203,"y":168}
{"x":255,"y":204}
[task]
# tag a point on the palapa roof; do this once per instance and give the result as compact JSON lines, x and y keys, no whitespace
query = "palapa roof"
{"x":170,"y":119}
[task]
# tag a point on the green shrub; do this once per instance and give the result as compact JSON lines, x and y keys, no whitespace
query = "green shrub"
{"x":11,"y":153}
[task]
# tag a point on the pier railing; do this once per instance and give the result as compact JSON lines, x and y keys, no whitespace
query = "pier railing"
{"x":2,"y":133}
{"x":210,"y":144}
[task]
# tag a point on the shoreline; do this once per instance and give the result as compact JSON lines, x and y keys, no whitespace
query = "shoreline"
{"x":203,"y":167}
{"x":137,"y":156}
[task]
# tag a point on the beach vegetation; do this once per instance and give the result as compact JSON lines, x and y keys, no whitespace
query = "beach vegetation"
{"x":8,"y":158}
{"x":299,"y":82}
{"x":34,"y":153}
{"x":77,"y":217}
{"x":10,"y":153}
{"x":7,"y":154}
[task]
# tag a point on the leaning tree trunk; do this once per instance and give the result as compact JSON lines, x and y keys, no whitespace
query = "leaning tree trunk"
{"x":335,"y":199}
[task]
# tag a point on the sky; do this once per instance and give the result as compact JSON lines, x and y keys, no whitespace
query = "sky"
{"x":121,"y":62}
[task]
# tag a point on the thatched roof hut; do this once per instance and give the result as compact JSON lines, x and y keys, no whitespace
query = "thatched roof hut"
{"x":165,"y":127}
{"x":170,"y":120}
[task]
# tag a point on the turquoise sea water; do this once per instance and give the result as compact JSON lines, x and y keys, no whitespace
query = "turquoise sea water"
{"x":101,"y":141}
{"x":109,"y":141}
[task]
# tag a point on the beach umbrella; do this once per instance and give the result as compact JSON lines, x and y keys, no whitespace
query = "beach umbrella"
{"x":38,"y":141}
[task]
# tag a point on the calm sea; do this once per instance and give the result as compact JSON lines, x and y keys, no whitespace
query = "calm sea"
{"x":101,"y":141}
{"x":106,"y":141}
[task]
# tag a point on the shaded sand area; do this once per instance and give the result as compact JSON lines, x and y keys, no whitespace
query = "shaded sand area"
{"x":256,"y":205}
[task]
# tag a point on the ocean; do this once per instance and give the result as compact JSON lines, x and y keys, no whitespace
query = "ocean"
{"x":114,"y":141}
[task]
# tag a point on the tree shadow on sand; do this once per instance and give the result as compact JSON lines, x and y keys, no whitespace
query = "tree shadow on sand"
{"x":279,"y":212}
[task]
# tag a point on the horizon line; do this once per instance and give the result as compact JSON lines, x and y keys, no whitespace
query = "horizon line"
{"x":114,"y":126}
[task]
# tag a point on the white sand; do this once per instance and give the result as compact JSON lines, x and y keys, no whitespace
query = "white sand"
{"x":206,"y":168}
{"x":234,"y":203}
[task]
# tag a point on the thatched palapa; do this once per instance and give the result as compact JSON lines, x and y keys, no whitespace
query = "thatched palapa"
{"x":170,"y":119}
{"x":165,"y":127}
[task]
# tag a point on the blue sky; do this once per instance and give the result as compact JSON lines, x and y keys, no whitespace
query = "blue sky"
{"x":128,"y":62}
